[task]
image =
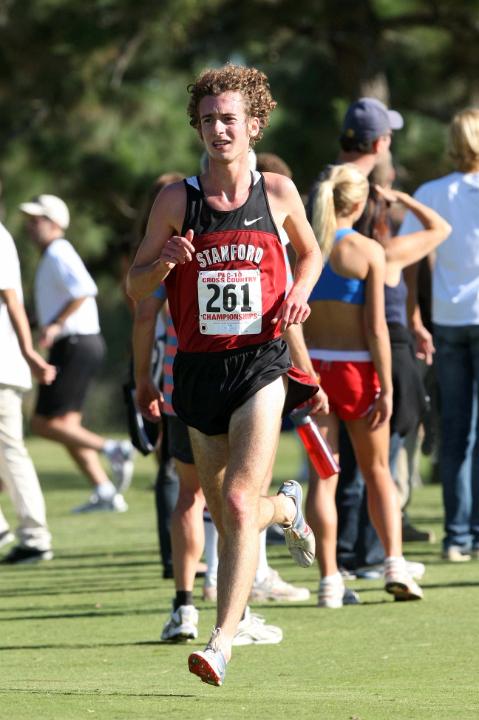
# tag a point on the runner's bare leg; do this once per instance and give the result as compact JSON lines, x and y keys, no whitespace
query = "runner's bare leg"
{"x":234,"y":501}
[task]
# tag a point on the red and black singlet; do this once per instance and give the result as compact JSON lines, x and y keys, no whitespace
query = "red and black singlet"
{"x":226,"y":297}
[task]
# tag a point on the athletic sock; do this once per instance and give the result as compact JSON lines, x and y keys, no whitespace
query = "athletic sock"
{"x":183,"y":597}
{"x":211,"y":550}
{"x":105,"y":490}
{"x":262,"y":570}
{"x":109,"y":446}
{"x":335,"y":579}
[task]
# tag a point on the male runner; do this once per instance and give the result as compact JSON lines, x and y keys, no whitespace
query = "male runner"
{"x":215,"y":241}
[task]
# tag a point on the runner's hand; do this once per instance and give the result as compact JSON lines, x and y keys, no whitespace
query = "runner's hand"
{"x":149,"y":400}
{"x":178,"y":250}
{"x":293,"y":311}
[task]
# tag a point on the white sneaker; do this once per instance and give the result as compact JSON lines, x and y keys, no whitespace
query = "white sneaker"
{"x":274,"y":587}
{"x":121,"y":462}
{"x":415,"y":569}
{"x":6,"y":537}
{"x":334,"y":594}
{"x":399,"y":582}
{"x":299,"y":537}
{"x":252,"y":630}
{"x":182,"y":625}
{"x":375,"y":572}
{"x":95,"y":503}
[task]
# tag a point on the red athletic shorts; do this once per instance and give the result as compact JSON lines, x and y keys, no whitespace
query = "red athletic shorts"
{"x":351,"y":386}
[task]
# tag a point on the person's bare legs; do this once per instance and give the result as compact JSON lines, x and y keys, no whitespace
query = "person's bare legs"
{"x":89,"y":463}
{"x":67,"y":430}
{"x":321,"y":512}
{"x":232,"y":470}
{"x":371,"y":449}
{"x":82,"y":444}
{"x":187,"y":530}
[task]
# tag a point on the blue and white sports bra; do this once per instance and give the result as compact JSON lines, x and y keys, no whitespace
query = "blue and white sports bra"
{"x":332,"y":286}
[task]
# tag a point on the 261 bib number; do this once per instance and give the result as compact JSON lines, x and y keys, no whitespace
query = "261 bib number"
{"x":230,"y":302}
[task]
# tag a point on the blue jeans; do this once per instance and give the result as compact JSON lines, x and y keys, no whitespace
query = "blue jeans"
{"x":457,"y":367}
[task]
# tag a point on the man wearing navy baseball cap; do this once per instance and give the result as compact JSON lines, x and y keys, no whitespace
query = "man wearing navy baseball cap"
{"x":368,"y":120}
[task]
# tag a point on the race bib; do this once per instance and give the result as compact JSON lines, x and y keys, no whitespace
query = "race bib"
{"x":230,"y":302}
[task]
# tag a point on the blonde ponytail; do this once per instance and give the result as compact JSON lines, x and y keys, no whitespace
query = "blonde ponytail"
{"x":344,"y":187}
{"x":324,"y":217}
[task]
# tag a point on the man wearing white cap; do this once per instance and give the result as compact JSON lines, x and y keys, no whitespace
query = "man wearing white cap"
{"x":68,"y":316}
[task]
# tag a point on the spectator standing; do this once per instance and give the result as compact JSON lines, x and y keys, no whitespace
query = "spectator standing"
{"x":17,"y":471}
{"x":455,"y":316}
{"x":68,"y":316}
{"x":364,"y":141}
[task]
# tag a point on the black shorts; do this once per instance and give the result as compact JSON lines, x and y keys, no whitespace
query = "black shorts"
{"x":179,"y":446}
{"x":77,"y":359}
{"x":209,"y":387}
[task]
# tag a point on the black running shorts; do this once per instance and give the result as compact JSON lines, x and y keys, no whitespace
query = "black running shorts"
{"x":179,"y":446}
{"x":209,"y":387}
{"x":77,"y":359}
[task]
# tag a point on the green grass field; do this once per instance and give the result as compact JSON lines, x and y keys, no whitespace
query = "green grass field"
{"x":79,"y":636}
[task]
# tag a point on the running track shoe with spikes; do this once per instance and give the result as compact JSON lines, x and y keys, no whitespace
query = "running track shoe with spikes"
{"x":252,"y":630}
{"x":182,"y":625}
{"x":209,"y":664}
{"x":298,"y":536}
{"x":398,"y":581}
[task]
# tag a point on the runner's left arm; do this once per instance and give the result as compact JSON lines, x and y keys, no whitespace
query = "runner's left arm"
{"x":288,"y":207}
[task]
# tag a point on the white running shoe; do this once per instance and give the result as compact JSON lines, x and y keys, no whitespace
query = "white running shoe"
{"x":6,"y":537}
{"x":274,"y":587}
{"x":121,"y":462}
{"x":252,"y":630}
{"x":334,"y":594}
{"x":209,"y":664}
{"x":398,"y":581}
{"x":298,"y":536}
{"x":182,"y":625}
{"x":375,"y":572}
{"x":95,"y":503}
{"x":415,"y":569}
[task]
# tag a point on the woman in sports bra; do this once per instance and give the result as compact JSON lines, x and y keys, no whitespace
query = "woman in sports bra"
{"x":349,"y":345}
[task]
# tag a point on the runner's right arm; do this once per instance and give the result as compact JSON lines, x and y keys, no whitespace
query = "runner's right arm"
{"x":162,"y":247}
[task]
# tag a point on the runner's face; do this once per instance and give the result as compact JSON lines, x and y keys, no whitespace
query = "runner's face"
{"x":225,"y":127}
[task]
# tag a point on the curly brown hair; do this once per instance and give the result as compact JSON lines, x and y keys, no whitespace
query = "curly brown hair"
{"x":250,"y":82}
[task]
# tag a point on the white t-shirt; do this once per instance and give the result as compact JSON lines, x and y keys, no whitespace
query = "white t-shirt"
{"x":60,"y":278}
{"x":455,"y":282}
{"x":14,"y":370}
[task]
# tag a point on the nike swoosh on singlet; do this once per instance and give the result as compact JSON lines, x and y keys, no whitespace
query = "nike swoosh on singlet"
{"x":250,"y":222}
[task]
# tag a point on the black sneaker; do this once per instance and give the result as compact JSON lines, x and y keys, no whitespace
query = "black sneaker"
{"x":22,"y":555}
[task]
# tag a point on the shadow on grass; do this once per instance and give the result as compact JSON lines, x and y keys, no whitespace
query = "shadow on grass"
{"x":82,"y":615}
{"x":95,"y":693}
{"x":72,"y":590}
{"x":90,"y":646}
